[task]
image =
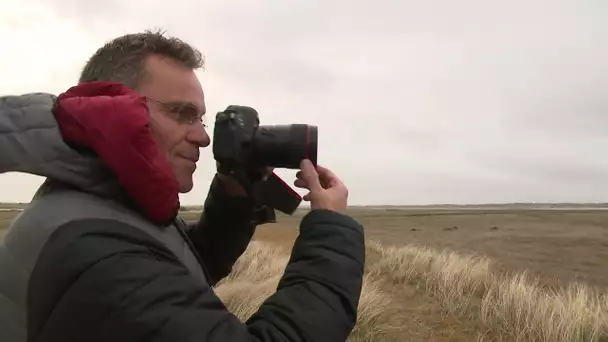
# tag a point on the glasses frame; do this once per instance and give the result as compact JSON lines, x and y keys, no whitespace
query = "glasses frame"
{"x":176,"y":111}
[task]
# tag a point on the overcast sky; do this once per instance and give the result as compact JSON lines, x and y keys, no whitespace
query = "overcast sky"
{"x":417,"y":102}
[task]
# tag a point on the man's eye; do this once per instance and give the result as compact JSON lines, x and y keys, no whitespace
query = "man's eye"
{"x":190,"y":115}
{"x":178,"y":109}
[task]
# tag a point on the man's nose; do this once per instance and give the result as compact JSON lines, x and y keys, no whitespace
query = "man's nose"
{"x":198,"y":135}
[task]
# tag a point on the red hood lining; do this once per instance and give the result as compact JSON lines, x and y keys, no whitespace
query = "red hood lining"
{"x":113,"y":120}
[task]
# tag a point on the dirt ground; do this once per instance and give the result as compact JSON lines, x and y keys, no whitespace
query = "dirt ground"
{"x":558,"y":246}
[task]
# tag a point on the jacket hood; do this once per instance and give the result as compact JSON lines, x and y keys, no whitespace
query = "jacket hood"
{"x":95,"y":137}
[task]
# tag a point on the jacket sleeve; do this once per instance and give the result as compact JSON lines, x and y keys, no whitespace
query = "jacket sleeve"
{"x":225,"y":229}
{"x":99,"y":280}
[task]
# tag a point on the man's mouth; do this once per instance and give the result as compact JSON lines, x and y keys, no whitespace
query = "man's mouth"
{"x":192,"y":159}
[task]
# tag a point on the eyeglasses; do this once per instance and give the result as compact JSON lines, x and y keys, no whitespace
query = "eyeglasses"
{"x":182,"y":113}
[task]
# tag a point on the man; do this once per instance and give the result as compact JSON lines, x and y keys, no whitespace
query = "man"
{"x":105,"y":256}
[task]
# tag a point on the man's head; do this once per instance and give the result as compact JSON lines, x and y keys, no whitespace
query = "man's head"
{"x":162,"y":69}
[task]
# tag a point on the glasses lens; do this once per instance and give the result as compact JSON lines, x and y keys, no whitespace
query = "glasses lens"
{"x":182,"y":113}
{"x":186,"y":114}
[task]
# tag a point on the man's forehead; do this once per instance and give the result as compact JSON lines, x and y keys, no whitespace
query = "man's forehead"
{"x":169,"y":81}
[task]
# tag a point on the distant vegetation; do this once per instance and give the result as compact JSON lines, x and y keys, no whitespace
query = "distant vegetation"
{"x":513,"y":206}
{"x":12,"y":205}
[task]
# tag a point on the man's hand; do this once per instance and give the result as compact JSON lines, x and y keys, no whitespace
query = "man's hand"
{"x":233,"y":187}
{"x":326,"y":190}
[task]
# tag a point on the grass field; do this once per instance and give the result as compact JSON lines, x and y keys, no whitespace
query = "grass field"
{"x":456,"y":275}
{"x":558,"y":246}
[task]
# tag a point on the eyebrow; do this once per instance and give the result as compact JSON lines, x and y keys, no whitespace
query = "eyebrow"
{"x":188,"y":104}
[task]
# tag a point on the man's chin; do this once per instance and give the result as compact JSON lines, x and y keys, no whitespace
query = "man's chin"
{"x":185,"y":187}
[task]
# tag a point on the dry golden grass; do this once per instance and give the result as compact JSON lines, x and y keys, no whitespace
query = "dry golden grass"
{"x":504,"y":307}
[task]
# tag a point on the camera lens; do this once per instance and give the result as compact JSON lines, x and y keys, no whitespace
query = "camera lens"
{"x":285,"y":146}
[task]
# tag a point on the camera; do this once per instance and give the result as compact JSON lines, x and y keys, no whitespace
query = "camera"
{"x":242,"y":147}
{"x":240,"y":142}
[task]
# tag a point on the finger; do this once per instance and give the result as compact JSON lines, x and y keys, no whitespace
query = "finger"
{"x":306,"y":197}
{"x":328,"y":178}
{"x":310,"y":175}
{"x":330,"y":182}
{"x":300,"y":183}
{"x":325,"y":172}
{"x":299,"y":174}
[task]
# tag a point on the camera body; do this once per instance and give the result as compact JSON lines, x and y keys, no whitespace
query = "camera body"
{"x":243,"y":148}
{"x":239,"y":142}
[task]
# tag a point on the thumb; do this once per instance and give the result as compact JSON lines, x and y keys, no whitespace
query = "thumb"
{"x":310,"y":175}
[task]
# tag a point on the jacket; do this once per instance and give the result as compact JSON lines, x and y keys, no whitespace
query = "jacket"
{"x":101,"y":264}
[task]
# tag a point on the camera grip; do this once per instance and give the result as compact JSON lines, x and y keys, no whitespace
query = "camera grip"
{"x":272,"y":192}
{"x":279,"y":195}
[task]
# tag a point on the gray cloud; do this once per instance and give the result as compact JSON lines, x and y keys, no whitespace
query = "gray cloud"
{"x":417,"y":102}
